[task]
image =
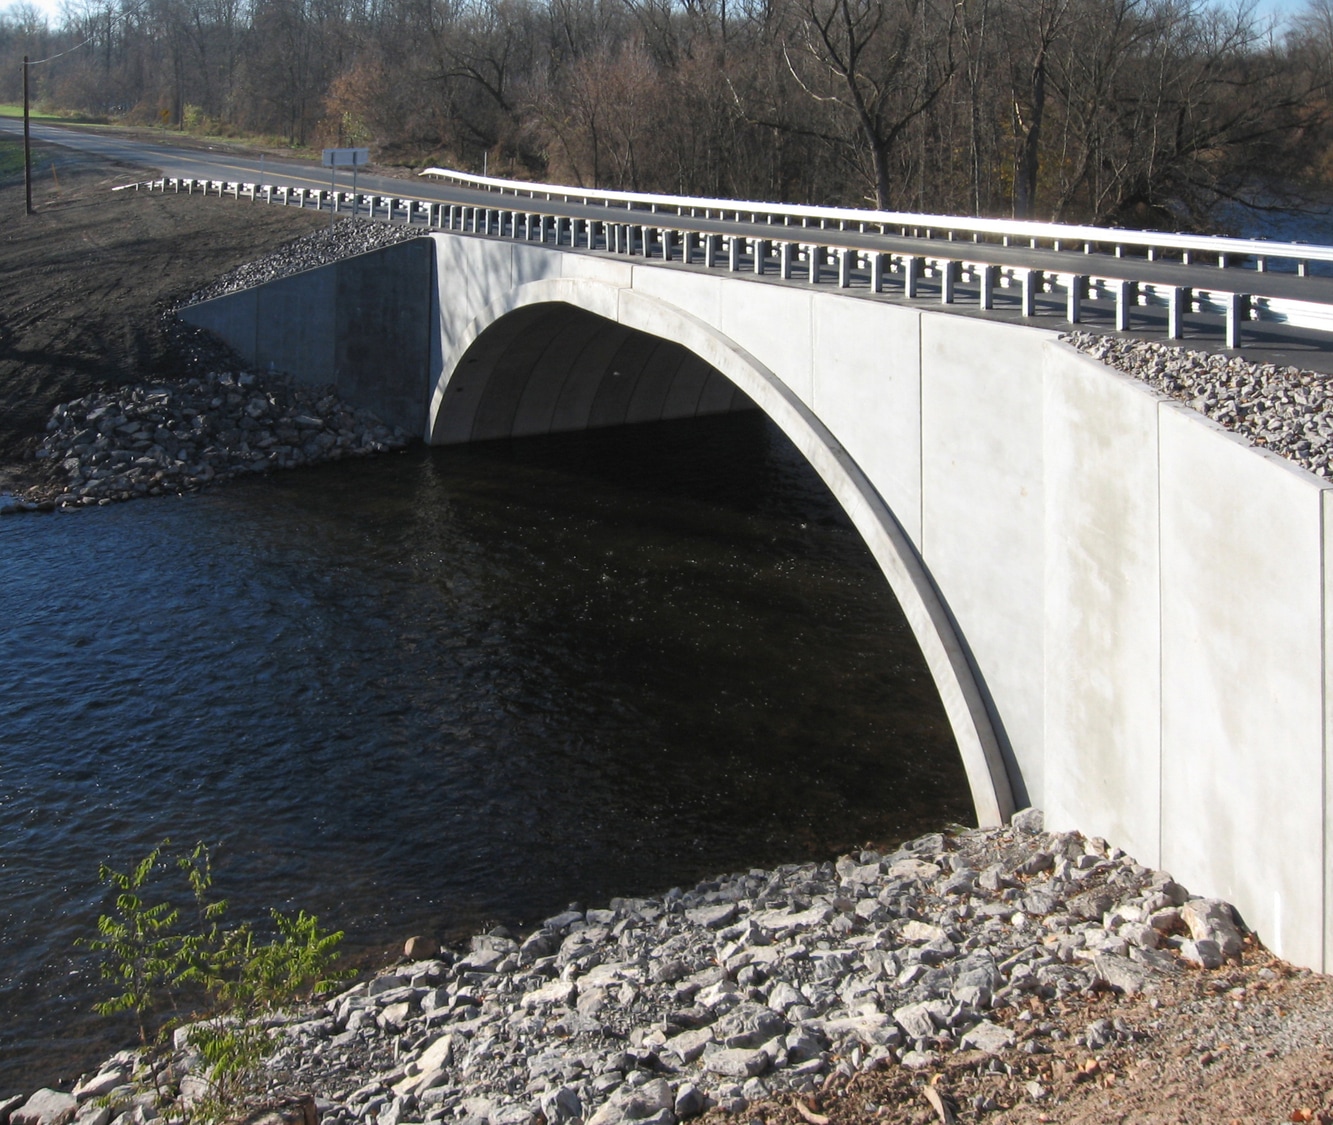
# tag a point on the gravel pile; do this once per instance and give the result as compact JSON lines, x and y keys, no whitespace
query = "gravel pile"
{"x":746,"y":986}
{"x":177,"y":437}
{"x":1283,"y":409}
{"x":344,"y":239}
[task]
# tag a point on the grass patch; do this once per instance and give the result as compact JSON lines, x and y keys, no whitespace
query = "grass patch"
{"x":11,"y":159}
{"x":63,"y":118}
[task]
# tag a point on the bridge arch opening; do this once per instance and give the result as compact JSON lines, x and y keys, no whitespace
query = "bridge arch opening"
{"x":566,"y":355}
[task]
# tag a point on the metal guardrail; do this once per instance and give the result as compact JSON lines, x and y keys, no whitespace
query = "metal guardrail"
{"x":1260,"y":254}
{"x":671,"y":230}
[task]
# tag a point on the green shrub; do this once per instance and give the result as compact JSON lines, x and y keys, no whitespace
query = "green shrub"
{"x":233,"y":976}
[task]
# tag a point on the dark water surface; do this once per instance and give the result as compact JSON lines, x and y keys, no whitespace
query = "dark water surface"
{"x":444,"y":687}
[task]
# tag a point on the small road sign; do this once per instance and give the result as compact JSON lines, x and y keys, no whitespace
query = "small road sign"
{"x":346,"y":157}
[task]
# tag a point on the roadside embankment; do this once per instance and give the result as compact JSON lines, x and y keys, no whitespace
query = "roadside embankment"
{"x":215,"y":421}
{"x":985,"y":975}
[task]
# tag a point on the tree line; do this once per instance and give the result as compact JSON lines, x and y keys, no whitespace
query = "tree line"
{"x":1134,"y":112}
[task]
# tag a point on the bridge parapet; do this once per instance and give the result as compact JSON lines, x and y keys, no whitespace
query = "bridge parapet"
{"x":998,"y":267}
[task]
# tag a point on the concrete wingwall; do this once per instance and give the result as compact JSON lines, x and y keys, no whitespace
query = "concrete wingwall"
{"x":361,"y":324}
{"x":1122,"y":604}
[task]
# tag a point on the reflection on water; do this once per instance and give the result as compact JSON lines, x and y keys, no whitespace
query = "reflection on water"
{"x":420,"y":692}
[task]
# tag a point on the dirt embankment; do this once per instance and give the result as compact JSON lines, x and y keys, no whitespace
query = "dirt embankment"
{"x":84,"y":282}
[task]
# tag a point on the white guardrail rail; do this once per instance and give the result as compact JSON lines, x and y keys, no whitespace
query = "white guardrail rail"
{"x":976,"y":260}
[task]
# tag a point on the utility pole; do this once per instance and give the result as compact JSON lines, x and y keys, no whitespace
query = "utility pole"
{"x":27,"y":144}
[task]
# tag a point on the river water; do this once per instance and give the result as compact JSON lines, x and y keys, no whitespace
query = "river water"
{"x":445,"y":687}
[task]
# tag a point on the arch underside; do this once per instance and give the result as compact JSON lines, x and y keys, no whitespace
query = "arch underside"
{"x":553,"y":368}
{"x":539,"y":361}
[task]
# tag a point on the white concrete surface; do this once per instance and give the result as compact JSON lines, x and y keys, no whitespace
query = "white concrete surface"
{"x":1101,"y":617}
{"x":1244,"y":735}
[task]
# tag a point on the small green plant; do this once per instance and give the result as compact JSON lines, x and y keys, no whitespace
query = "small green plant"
{"x":233,"y":976}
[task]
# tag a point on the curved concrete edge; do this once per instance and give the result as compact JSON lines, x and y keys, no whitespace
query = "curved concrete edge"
{"x":929,"y":619}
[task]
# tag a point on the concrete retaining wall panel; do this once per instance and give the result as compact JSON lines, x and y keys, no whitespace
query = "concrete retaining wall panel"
{"x":605,"y":271}
{"x":467,"y":269}
{"x":1327,"y":965}
{"x":867,"y":390}
{"x":1102,"y":623}
{"x":1243,"y":710}
{"x":381,"y":345}
{"x":695,"y":293}
{"x":982,"y":526}
{"x":773,"y":325}
{"x":232,"y":319}
{"x":533,"y":263}
{"x":295,"y":326}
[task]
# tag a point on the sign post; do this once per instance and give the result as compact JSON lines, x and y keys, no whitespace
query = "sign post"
{"x":335,"y":158}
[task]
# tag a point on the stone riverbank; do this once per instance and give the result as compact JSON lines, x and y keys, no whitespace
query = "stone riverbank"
{"x":745,"y":988}
{"x":170,"y":438}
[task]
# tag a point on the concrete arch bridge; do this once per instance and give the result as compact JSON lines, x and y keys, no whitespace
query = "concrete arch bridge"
{"x":1124,"y":607}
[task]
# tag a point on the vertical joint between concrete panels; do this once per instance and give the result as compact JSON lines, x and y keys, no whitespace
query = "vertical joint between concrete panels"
{"x":1161,"y":634}
{"x":1326,"y":891}
{"x":920,"y":435}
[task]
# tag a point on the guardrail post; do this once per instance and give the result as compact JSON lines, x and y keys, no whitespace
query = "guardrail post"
{"x":911,"y":275}
{"x":785,"y":250}
{"x":876,"y":260}
{"x":1077,"y":284}
{"x":814,"y":257}
{"x":1179,"y":303}
{"x":1238,"y":311}
{"x":1222,"y":261}
{"x":986,"y":297}
{"x":844,"y":267}
{"x":1302,"y":268}
{"x":710,"y":250}
{"x":948,"y":278}
{"x":735,"y":244}
{"x":760,"y":256}
{"x":1031,"y":286}
{"x":1125,"y":294}
{"x":687,"y":240}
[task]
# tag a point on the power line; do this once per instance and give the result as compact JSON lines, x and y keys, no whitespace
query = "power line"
{"x":27,"y":142}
